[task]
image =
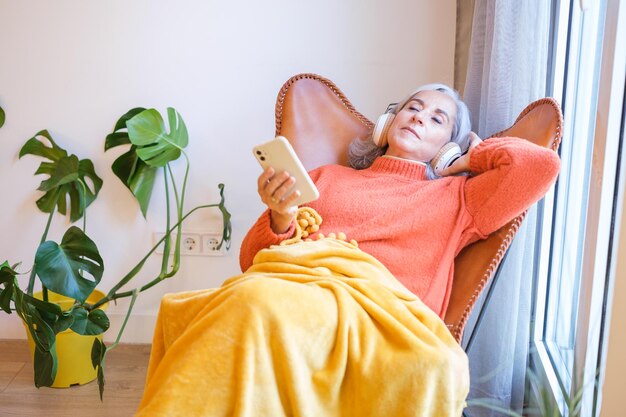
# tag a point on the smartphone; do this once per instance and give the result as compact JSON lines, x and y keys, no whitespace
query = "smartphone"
{"x":278,"y":154}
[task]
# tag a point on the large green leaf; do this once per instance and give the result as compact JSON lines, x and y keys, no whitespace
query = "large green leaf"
{"x":48,"y":310}
{"x":61,"y":267}
{"x":67,"y":177}
{"x":121,"y":122}
{"x":45,"y":358}
{"x":65,"y":171}
{"x":41,"y":320}
{"x":64,"y":322}
{"x":98,"y":351}
{"x":34,"y":146}
{"x":93,"y":323}
{"x":128,"y":167}
{"x":40,"y":329}
{"x":45,"y":364}
{"x":116,"y":138}
{"x":137,"y":176}
{"x":79,"y":192}
{"x":87,"y":170}
{"x":7,"y":278}
{"x":155,"y":146}
{"x":25,"y":304}
{"x":120,"y":135}
{"x":5,"y":297}
{"x":98,"y":322}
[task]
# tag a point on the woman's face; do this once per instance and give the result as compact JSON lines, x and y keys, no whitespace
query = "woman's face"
{"x":422,"y":127}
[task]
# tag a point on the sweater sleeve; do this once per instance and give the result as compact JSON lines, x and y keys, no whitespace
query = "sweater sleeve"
{"x":261,"y":236}
{"x":510,"y":175}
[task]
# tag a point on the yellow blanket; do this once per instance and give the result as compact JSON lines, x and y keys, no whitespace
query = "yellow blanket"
{"x":314,"y":329}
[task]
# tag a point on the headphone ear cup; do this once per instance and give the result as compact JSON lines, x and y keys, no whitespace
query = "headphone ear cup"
{"x":449,"y":153}
{"x":381,"y":128}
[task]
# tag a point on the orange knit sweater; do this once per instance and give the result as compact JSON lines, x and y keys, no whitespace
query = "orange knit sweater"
{"x":416,"y":226}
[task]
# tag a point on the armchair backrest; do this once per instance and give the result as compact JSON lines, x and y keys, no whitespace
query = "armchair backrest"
{"x":320,"y":122}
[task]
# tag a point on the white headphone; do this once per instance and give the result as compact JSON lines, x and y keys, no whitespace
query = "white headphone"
{"x":449,"y":153}
{"x":381,"y":128}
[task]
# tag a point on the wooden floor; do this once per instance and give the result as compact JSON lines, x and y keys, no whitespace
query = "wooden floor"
{"x":125,"y":375}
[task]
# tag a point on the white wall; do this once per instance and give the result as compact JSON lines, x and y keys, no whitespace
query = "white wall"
{"x":75,"y":66}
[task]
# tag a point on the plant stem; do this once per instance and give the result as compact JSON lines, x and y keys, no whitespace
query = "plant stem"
{"x":179,"y":213}
{"x":33,"y":271}
{"x":184,"y":189}
{"x":135,"y":293}
{"x":168,"y":240}
{"x":84,"y":205}
{"x":176,"y":264}
{"x":112,"y":295}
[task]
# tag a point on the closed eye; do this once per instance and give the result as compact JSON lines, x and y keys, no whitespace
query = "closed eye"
{"x":437,"y":120}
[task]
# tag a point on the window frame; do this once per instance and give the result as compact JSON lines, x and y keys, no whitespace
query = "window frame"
{"x":603,"y":209}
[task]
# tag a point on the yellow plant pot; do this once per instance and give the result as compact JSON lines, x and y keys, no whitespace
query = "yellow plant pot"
{"x":73,"y":350}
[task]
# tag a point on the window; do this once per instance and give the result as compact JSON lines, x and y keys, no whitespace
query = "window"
{"x":576,"y":239}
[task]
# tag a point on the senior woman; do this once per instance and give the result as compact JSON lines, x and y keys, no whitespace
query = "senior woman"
{"x":397,"y":208}
{"x":349,"y":326}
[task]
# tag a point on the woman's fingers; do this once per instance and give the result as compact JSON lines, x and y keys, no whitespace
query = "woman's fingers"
{"x":475,"y":140}
{"x":451,"y":170}
{"x":280,"y":192}
{"x":268,"y":183}
{"x":463,"y":163}
{"x":264,"y":178}
{"x":274,"y":191}
{"x":457,"y":167}
{"x":288,"y":204}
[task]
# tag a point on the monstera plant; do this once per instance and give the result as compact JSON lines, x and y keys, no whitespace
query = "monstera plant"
{"x":73,"y":268}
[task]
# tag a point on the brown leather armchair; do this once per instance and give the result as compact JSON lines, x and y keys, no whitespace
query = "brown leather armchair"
{"x":320,"y":122}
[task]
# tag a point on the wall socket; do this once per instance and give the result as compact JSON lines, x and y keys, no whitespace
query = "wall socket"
{"x":194,"y":243}
{"x":210,"y":242}
{"x":190,"y":244}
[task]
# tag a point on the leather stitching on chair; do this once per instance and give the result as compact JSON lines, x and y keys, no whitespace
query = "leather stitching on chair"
{"x":557,"y":110}
{"x":458,"y":327}
{"x":344,"y":100}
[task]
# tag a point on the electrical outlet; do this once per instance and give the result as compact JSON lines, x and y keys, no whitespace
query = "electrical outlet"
{"x":210,"y":242}
{"x":191,"y":243}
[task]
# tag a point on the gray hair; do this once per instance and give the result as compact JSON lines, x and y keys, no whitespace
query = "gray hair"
{"x":363,"y":151}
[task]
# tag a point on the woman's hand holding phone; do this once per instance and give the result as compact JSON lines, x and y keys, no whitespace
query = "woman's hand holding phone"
{"x":284,"y":183}
{"x":274,"y":190}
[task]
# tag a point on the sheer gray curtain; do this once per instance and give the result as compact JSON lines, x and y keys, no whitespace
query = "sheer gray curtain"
{"x":507,"y":69}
